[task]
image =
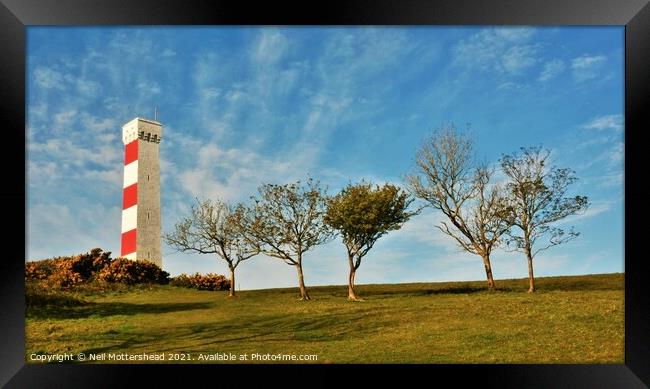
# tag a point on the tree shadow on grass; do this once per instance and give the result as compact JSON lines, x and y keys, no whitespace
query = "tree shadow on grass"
{"x":461,"y":289}
{"x":90,"y":309}
{"x":219,"y":336}
{"x":283,"y":328}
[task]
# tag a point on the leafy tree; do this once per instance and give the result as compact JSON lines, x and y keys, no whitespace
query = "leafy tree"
{"x":538,"y":196}
{"x":448,"y":180}
{"x":214,"y":228}
{"x":287,"y":221}
{"x":362,"y":214}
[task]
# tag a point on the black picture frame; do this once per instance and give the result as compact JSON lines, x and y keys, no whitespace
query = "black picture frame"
{"x":16,"y":15}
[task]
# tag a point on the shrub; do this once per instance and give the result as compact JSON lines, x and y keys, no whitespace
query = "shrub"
{"x":92,"y":268}
{"x":64,"y":272}
{"x":198,"y":281}
{"x":39,"y":270}
{"x":130,"y":272}
{"x":87,"y":265}
{"x":182,"y":281}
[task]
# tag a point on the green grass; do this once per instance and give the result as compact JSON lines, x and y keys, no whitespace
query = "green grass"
{"x":574,"y":319}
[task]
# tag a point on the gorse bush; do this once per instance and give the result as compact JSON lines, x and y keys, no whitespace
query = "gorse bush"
{"x":40,"y":270}
{"x":95,"y":266}
{"x":129,"y":272}
{"x":68,"y":270}
{"x":198,"y":281}
{"x":182,"y":281}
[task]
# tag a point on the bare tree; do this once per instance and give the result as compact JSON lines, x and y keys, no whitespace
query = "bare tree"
{"x":537,"y":194}
{"x":448,"y":180}
{"x":287,"y":221}
{"x":362,"y":214}
{"x":214,"y":228}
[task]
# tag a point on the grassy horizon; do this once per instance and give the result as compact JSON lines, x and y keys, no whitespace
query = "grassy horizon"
{"x":571,"y":319}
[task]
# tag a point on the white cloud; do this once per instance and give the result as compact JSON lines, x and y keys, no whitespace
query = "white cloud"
{"x":43,"y":172}
{"x":606,"y":122}
{"x":53,"y":225}
{"x":587,"y":61}
{"x":37,"y":111}
{"x":95,"y":124}
{"x":149,"y":87}
{"x":616,"y":154}
{"x":422,"y":229}
{"x":612,"y":180}
{"x":66,"y":151}
{"x":65,"y":118}
{"x":271,"y":46}
{"x":111,"y":177}
{"x":354,"y":57}
{"x":595,"y":208}
{"x":551,"y":70}
{"x":518,"y":58}
{"x":605,"y":149}
{"x":235,"y":95}
{"x":605,"y":168}
{"x":211,"y":93}
{"x":234,"y":174}
{"x":509,"y":85}
{"x":49,"y":78}
{"x":587,"y":67}
{"x":88,"y":88}
{"x":134,"y":46}
{"x":514,"y":34}
{"x":504,"y":50}
{"x":168,"y":53}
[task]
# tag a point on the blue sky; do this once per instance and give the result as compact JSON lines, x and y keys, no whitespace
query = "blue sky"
{"x":244,"y":106}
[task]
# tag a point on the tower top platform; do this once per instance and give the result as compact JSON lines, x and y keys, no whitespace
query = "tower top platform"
{"x":139,"y":128}
{"x":142,"y":120}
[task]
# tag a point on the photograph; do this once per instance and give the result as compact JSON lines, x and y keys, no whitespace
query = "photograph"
{"x":447,"y":194}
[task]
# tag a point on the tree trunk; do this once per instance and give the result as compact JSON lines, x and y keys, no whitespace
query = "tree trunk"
{"x":488,"y":272}
{"x":351,"y":295}
{"x":301,"y":283}
{"x":531,"y":277}
{"x":232,"y":282}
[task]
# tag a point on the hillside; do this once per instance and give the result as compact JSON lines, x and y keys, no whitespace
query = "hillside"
{"x":573,"y":319}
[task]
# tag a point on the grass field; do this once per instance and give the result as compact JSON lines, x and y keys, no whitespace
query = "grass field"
{"x":576,"y":319}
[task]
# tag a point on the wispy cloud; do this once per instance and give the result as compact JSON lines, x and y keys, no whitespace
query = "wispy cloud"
{"x":518,"y":58}
{"x":67,"y":151}
{"x":596,"y":208}
{"x":168,"y":53}
{"x":551,"y":70}
{"x":605,"y":145}
{"x":616,"y":154}
{"x":88,"y":88}
{"x":422,"y":229}
{"x":270,"y":47}
{"x":233,"y":174}
{"x":150,"y":87}
{"x":247,"y":106}
{"x":505,"y":50}
{"x":54,"y":224}
{"x":587,"y":62}
{"x":614,"y":179}
{"x":587,"y":67}
{"x":48,"y":78}
{"x":64,"y":119}
{"x":605,"y":122}
{"x":95,"y":124}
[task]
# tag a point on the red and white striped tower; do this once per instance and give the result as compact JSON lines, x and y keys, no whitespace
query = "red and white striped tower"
{"x":141,"y":221}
